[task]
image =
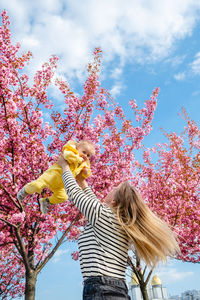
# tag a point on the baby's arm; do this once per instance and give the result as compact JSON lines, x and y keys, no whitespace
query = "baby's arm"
{"x":70,"y":153}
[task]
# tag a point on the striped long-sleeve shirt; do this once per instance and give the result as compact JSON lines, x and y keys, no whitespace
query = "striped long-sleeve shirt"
{"x":103,"y":245}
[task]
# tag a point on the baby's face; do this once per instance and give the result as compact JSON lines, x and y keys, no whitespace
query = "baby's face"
{"x":85,"y":151}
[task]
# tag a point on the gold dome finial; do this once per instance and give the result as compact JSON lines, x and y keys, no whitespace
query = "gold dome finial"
{"x":156,"y":280}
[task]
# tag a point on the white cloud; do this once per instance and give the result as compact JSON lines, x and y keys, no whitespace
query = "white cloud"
{"x":195,"y":65}
{"x":116,"y":89}
{"x":117,"y":72}
{"x":170,"y":274}
{"x":58,"y":255}
{"x":180,"y":76}
{"x":137,"y":30}
{"x":176,"y":60}
{"x":30,"y":42}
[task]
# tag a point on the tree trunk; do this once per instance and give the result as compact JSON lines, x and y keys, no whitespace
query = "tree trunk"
{"x":143,"y":289}
{"x":31,"y":278}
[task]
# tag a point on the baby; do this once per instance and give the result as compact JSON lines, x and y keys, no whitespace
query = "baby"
{"x":78,"y":156}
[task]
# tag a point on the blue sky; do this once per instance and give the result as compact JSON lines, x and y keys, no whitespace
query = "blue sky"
{"x":146,"y":44}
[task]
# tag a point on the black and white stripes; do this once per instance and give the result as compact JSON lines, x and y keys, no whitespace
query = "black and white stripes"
{"x":103,"y":245}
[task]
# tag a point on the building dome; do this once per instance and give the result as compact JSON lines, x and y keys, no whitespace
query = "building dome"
{"x":156,"y":280}
{"x":134,"y":280}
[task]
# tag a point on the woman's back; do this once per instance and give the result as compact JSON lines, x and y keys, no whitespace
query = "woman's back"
{"x":103,"y":246}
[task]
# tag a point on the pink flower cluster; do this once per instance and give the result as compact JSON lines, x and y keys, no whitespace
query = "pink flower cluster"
{"x":17,"y":218}
{"x":170,"y":183}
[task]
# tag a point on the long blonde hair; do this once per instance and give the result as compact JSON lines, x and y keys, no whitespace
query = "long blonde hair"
{"x":152,"y":237}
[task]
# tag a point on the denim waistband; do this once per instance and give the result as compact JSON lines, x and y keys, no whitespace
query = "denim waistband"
{"x":106,"y":280}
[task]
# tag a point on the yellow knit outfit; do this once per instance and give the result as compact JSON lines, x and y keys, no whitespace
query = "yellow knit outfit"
{"x":52,"y":177}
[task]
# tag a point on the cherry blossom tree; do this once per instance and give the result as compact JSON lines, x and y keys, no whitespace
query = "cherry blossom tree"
{"x":170,"y":183}
{"x":29,"y":144}
{"x":168,"y":178}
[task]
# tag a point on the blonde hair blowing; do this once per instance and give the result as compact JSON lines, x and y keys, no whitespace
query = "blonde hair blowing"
{"x":151,"y":236}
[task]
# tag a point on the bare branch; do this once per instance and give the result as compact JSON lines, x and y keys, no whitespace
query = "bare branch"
{"x":144,"y":269}
{"x":129,"y":261}
{"x":149,"y":275}
{"x":39,"y":268}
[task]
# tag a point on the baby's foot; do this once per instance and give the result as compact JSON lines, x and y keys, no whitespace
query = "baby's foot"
{"x":21,"y":195}
{"x":44,"y":205}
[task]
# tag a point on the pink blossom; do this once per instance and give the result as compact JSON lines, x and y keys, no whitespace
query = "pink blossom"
{"x":18,"y":218}
{"x":75,"y":255}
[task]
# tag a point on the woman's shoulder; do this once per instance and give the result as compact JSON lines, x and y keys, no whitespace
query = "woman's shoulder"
{"x":109,"y":222}
{"x":109,"y":214}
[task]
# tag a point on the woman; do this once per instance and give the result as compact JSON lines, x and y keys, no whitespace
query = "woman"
{"x":124,"y":218}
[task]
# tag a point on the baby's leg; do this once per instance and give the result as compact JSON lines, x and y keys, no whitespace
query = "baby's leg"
{"x":36,"y":186}
{"x":59,"y":196}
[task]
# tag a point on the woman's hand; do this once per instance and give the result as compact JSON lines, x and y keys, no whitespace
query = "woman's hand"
{"x":81,"y":181}
{"x":85,"y":172}
{"x":63,"y":163}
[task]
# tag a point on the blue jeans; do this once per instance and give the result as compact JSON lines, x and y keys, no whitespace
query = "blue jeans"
{"x":105,"y":288}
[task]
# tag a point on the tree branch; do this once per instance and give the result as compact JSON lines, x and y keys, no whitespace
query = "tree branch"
{"x":176,"y":216}
{"x":144,"y":269}
{"x":7,"y":222}
{"x":11,"y":140}
{"x":39,"y":268}
{"x":22,"y":249}
{"x":22,"y":95}
{"x":78,"y":117}
{"x":149,"y":275}
{"x":18,"y":205}
{"x":129,"y":261}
